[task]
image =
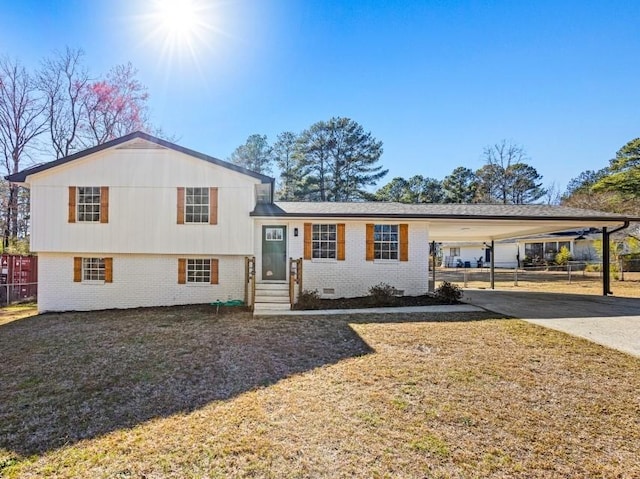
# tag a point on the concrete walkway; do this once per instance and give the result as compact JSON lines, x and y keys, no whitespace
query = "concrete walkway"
{"x":453,"y":308}
{"x":610,"y":321}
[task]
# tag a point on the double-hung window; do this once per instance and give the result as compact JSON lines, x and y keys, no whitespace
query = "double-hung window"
{"x":89,"y":203}
{"x":197,"y":205}
{"x":93,"y":269}
{"x":198,"y":271}
{"x":385,"y":242}
{"x":324,"y":241}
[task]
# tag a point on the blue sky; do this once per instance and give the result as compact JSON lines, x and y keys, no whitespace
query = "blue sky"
{"x":436,"y":81}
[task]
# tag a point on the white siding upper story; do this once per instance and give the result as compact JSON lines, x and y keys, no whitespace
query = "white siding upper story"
{"x":142,"y":205}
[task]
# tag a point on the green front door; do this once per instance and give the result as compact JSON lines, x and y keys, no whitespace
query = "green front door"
{"x":274,"y":253}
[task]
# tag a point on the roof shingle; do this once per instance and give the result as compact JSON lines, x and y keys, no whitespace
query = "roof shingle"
{"x":429,"y":210}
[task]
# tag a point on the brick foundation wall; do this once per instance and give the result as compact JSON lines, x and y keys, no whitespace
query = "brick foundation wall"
{"x":138,"y":280}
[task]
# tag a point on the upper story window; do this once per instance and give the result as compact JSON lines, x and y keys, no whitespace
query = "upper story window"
{"x":89,"y":204}
{"x":324,"y":241}
{"x":263,"y":193}
{"x":197,"y":205}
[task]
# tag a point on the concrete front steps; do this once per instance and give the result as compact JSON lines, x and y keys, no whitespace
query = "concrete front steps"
{"x":271,"y":298}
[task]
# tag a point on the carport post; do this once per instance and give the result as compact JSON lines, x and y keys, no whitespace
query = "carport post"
{"x":606,"y":272}
{"x":433,"y":270}
{"x":493,"y":268}
{"x":606,"y":267}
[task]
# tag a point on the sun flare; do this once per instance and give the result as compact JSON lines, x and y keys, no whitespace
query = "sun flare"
{"x":178,"y":18}
{"x":180,"y":28}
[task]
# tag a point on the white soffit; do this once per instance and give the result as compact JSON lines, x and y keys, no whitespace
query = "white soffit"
{"x":483,"y":230}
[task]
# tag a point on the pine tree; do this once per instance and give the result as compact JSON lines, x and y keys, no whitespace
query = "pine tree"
{"x":284,"y":156}
{"x":338,"y":160}
{"x":255,"y":155}
{"x":460,"y":186}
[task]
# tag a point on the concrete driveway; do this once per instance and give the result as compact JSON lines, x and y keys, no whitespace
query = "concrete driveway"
{"x":610,"y":321}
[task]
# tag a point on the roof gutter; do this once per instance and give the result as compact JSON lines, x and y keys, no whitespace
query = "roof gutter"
{"x":441,"y":217}
{"x":624,"y":226}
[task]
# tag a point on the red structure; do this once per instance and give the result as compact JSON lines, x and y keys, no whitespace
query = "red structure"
{"x":18,"y":278}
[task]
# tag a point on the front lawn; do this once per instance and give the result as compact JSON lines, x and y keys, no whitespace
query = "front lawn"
{"x":180,"y":392}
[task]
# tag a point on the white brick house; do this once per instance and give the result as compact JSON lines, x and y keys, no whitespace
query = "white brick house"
{"x":140,"y":221}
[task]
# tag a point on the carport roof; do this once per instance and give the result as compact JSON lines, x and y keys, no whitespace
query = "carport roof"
{"x":454,"y":222}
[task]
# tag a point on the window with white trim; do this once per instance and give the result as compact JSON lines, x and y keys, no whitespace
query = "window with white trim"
{"x":198,"y":271}
{"x":88,"y":203}
{"x":196,"y":205}
{"x":385,"y":242}
{"x":324,"y":241}
{"x":93,"y":269}
{"x":454,"y":251}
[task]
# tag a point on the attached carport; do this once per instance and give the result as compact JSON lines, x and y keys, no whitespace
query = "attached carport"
{"x":489,"y":223}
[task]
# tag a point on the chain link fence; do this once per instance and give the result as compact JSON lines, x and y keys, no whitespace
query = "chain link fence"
{"x":506,"y":275}
{"x":18,"y":293}
{"x":18,"y":278}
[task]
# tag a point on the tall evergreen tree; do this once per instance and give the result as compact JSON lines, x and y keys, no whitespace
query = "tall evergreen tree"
{"x":460,"y":186}
{"x":313,"y":158}
{"x":284,"y":156}
{"x":525,"y":186}
{"x":624,"y":170}
{"x":255,"y":155}
{"x":424,"y":190}
{"x":585,"y":181}
{"x":394,"y":191}
{"x":416,"y":189}
{"x":338,"y":160}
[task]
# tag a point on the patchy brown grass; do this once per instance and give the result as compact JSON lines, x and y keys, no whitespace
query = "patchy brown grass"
{"x":180,"y":392}
{"x":17,"y":311}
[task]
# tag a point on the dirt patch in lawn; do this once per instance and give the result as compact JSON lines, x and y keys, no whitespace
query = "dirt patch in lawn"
{"x":181,"y":392}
